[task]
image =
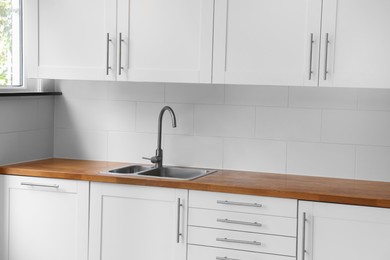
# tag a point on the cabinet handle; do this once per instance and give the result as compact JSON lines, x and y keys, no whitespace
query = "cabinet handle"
{"x":226,"y":202}
{"x":54,"y":186}
{"x":311,"y":55}
{"x":326,"y":55}
{"x":179,"y":234}
{"x":225,"y":258}
{"x":304,"y":236}
{"x":120,"y":54}
{"x":108,"y":67}
{"x":239,"y":222}
{"x":255,"y":243}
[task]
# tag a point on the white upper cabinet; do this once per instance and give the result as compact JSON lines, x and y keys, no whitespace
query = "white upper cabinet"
{"x":357,"y":52}
{"x":265,"y":42}
{"x":165,"y":41}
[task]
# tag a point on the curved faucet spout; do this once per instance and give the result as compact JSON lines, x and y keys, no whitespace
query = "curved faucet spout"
{"x":160,"y":118}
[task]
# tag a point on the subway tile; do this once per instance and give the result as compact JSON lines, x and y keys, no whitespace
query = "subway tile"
{"x":193,"y":151}
{"x":121,"y":115}
{"x":136,"y":91}
{"x":254,"y":155}
{"x":9,"y":148}
{"x":194,"y":93}
{"x":82,"y":89}
{"x":373,"y":163}
{"x":314,"y":97}
{"x":356,"y":127}
{"x":33,"y":145}
{"x":374,"y":99}
{"x":46,"y":113}
{"x":288,"y":124}
{"x":18,"y":115}
{"x":148,"y":113}
{"x":80,"y":144}
{"x":256,"y":95}
{"x":131,"y":147}
{"x":317,"y":159}
{"x":224,"y":121}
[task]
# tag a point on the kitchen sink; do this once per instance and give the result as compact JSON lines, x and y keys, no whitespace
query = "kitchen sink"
{"x":180,"y":173}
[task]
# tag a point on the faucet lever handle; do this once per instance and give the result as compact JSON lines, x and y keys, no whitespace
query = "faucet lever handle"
{"x":146,"y":158}
{"x":154,"y":159}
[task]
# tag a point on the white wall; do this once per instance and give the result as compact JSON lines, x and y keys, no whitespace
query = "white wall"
{"x":330,"y":132}
{"x":26,"y":128}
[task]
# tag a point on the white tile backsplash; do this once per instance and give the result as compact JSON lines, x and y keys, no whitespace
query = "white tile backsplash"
{"x":136,"y":91}
{"x":256,"y":95}
{"x":373,"y":163}
{"x":121,"y":115}
{"x":195,"y":93}
{"x":374,"y":99}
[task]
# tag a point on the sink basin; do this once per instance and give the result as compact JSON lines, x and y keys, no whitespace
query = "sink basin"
{"x":181,"y":173}
{"x":130,"y":169}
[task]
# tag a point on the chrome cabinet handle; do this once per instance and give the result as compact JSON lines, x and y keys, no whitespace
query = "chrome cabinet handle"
{"x":226,"y":202}
{"x":311,"y":55}
{"x":108,"y":67}
{"x":255,"y":243}
{"x":239,"y":222}
{"x":54,"y":186}
{"x":326,"y":55}
{"x":225,"y":258}
{"x":304,"y":236}
{"x":120,"y":54}
{"x":179,"y":234}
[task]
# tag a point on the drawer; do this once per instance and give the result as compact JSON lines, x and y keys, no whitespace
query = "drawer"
{"x":211,"y":253}
{"x":242,"y":241}
{"x":45,"y":184}
{"x":243,"y":203}
{"x":243,"y":222}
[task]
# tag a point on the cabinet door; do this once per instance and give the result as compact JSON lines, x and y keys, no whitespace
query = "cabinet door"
{"x":135,"y":222}
{"x":357,"y":53}
{"x":340,"y":232}
{"x":266,"y":42}
{"x":43,"y":219}
{"x":166,"y":41}
{"x":72,"y":39}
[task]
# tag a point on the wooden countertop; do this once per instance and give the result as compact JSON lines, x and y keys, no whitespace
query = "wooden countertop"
{"x":365,"y":193}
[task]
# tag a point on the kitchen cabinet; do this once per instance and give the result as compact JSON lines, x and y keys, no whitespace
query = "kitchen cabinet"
{"x":136,"y":222}
{"x":339,"y":232}
{"x":230,"y":226}
{"x":138,"y":40}
{"x":43,"y":219}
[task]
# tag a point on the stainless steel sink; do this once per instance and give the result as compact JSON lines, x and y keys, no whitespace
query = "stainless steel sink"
{"x":180,"y":173}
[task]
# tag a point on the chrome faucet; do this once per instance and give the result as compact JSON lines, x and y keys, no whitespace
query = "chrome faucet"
{"x":158,"y":158}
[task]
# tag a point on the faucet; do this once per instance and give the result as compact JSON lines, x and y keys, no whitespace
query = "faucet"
{"x":158,"y":158}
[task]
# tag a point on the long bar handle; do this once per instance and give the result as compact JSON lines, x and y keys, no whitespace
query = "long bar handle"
{"x":225,"y":258}
{"x":326,"y":55}
{"x":311,"y":55}
{"x":54,"y":186}
{"x":304,"y":236}
{"x":256,"y":224}
{"x":108,"y":67}
{"x":227,"y":202}
{"x":255,"y":243}
{"x":179,"y":234}
{"x":120,"y":54}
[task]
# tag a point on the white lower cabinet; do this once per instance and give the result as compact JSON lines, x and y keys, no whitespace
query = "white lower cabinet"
{"x":43,"y":219}
{"x":343,"y":232}
{"x":137,"y":223}
{"x":230,"y":226}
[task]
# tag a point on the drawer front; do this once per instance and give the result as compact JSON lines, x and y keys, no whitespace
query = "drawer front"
{"x":242,"y":241}
{"x":211,"y":253}
{"x":243,"y":203}
{"x":45,"y":184}
{"x":243,"y":222}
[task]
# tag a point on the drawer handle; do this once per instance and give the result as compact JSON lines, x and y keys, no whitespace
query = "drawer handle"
{"x":54,"y":186}
{"x":227,"y":202}
{"x":255,"y":243}
{"x":225,"y":258}
{"x":239,"y":222}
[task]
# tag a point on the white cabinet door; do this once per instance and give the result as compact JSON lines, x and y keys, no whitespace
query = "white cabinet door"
{"x":136,"y":222}
{"x":357,"y":53}
{"x":266,"y":42}
{"x":72,"y":39}
{"x":341,"y":232}
{"x":165,"y":41}
{"x":43,"y":219}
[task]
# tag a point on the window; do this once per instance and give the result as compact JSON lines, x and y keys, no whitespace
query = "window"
{"x":11,"y":47}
